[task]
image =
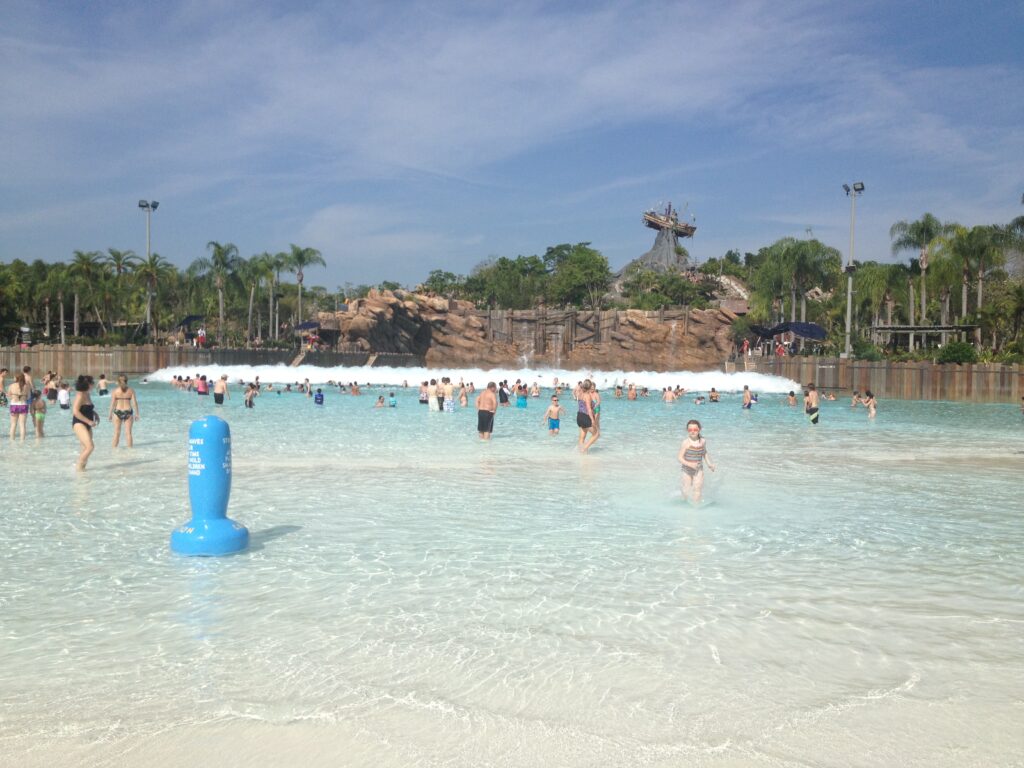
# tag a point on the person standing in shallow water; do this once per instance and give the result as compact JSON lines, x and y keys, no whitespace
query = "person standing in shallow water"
{"x":124,"y":407}
{"x":811,"y":404}
{"x":585,"y":418}
{"x":693,"y":454}
{"x":486,"y":407}
{"x":83,"y":419}
{"x":17,"y":402}
{"x":220,"y":390}
{"x":870,"y":403}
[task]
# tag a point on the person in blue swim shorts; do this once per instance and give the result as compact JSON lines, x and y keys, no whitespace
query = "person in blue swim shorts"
{"x":553,"y":416}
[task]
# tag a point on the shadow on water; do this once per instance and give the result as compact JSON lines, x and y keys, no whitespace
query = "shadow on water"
{"x":258,"y":539}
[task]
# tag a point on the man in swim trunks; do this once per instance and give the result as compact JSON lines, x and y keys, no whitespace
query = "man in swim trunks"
{"x":220,"y":390}
{"x":486,"y":406}
{"x":811,"y":404}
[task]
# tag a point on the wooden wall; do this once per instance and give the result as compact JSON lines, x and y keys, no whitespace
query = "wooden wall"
{"x":980,"y":382}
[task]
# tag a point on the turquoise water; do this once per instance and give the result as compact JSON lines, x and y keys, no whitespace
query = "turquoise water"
{"x":852,"y":596}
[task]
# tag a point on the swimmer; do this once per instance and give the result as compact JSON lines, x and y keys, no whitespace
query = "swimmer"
{"x":125,"y":406}
{"x":870,"y":403}
{"x":553,"y":416}
{"x":713,"y":395}
{"x":486,"y":407}
{"x":101,"y":385}
{"x":17,"y":399}
{"x":392,"y":402}
{"x":38,"y":412}
{"x":83,"y":419}
{"x":448,"y":396}
{"x":747,"y":397}
{"x":693,"y":454}
{"x":380,"y":402}
{"x":251,"y":393}
{"x":318,"y":398}
{"x":811,"y":404}
{"x":585,"y":418}
{"x":220,"y":390}
{"x":856,"y":399}
{"x":791,"y":398}
{"x":668,"y":395}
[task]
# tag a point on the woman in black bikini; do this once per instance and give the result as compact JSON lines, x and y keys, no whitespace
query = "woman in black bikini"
{"x":125,"y":407}
{"x":83,"y":419}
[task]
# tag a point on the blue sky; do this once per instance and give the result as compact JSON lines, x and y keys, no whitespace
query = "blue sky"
{"x":401,"y":137}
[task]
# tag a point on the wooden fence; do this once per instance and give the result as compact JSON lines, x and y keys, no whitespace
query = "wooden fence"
{"x":72,"y":359}
{"x":980,"y":382}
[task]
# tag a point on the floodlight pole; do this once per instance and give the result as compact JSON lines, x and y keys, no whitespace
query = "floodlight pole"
{"x":857,"y":189}
{"x":148,"y":206}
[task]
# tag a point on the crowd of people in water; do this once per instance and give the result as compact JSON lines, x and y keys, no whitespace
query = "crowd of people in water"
{"x":28,"y":405}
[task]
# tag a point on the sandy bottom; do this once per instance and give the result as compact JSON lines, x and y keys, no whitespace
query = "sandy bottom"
{"x":924,"y":736}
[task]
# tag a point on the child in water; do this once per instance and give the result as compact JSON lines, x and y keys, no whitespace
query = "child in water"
{"x":553,"y":416}
{"x":38,"y":411}
{"x":693,"y":454}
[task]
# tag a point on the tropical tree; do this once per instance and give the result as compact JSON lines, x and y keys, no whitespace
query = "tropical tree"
{"x":120,"y":263}
{"x":943,"y":277}
{"x":918,"y":235}
{"x":298,"y":260}
{"x":221,"y":266}
{"x":84,"y":271}
{"x":280,"y":265}
{"x":148,"y":274}
{"x":55,"y":285}
{"x":581,"y":278}
{"x":262,"y":266}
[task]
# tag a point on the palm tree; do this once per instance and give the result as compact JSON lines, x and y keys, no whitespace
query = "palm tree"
{"x":280,"y":263}
{"x":814,"y":264}
{"x":943,"y":274}
{"x":221,"y":266}
{"x":148,"y":273}
{"x":265,"y":264}
{"x":56,"y":283}
{"x":871,"y":285}
{"x":252,"y":273}
{"x":918,"y":235}
{"x":119,"y":262}
{"x":84,"y":271}
{"x":298,"y":259}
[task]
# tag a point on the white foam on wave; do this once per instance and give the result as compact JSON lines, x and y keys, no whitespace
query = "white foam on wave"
{"x":282,"y":374}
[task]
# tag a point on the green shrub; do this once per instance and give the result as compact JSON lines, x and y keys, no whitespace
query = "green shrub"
{"x":958,"y":352}
{"x":865,"y":350}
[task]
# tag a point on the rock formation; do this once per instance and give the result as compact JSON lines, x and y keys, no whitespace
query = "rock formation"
{"x":450,"y":333}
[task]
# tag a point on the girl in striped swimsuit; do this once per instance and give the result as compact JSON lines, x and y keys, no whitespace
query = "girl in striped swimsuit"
{"x":693,"y":454}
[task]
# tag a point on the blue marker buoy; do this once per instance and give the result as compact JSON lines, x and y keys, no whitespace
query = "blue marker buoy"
{"x":209,"y":532}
